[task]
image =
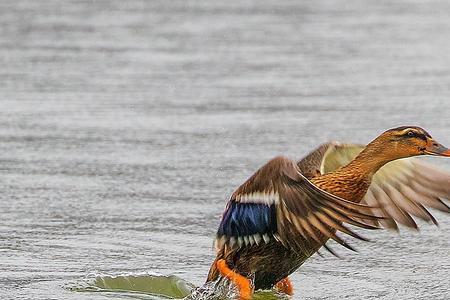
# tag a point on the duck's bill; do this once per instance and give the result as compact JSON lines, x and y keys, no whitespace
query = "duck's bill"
{"x":437,"y":149}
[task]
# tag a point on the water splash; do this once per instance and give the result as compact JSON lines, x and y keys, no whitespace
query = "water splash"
{"x":223,"y":290}
{"x":147,"y":284}
{"x":214,"y":290}
{"x":153,"y":286}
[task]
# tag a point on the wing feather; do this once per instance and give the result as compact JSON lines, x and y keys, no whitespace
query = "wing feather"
{"x":279,"y":203}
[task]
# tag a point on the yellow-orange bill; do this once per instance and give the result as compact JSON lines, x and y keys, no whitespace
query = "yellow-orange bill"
{"x":437,"y":149}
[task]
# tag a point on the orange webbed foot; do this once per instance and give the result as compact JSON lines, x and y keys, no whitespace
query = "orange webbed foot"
{"x":243,"y":284}
{"x":285,"y":286}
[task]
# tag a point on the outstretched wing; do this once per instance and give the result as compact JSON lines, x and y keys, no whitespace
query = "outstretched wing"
{"x":402,"y":189}
{"x":278,"y":202}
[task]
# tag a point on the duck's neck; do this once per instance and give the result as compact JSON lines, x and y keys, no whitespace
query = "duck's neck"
{"x":352,"y":181}
{"x":368,"y":162}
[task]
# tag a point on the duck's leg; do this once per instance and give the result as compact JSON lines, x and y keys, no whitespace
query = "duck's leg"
{"x":243,"y":283}
{"x":285,"y":286}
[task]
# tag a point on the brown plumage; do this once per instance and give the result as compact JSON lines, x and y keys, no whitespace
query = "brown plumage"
{"x":286,"y":211}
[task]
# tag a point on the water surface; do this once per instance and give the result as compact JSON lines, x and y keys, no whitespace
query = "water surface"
{"x":126,"y":125}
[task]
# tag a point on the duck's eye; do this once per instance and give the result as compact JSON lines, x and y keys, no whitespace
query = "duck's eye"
{"x":411,"y":133}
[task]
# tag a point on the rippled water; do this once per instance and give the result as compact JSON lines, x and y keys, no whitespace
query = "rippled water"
{"x":125,"y":126}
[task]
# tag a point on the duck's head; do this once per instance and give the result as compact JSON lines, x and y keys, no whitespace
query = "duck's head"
{"x":407,"y":141}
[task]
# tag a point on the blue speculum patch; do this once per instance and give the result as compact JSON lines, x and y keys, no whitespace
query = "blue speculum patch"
{"x":242,"y":219}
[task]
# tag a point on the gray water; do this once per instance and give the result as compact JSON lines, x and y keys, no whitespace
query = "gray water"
{"x":125,"y":126}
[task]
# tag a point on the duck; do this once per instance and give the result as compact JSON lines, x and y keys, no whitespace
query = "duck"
{"x":288,"y":210}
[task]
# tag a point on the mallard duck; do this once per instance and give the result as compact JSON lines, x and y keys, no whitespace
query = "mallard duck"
{"x":288,"y":210}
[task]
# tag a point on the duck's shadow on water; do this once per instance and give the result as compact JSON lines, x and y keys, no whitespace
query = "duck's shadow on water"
{"x":149,"y":286}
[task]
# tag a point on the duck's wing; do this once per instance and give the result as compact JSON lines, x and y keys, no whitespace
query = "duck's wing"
{"x":401,"y":189}
{"x":327,"y":158}
{"x":310,"y":165}
{"x":278,"y":202}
